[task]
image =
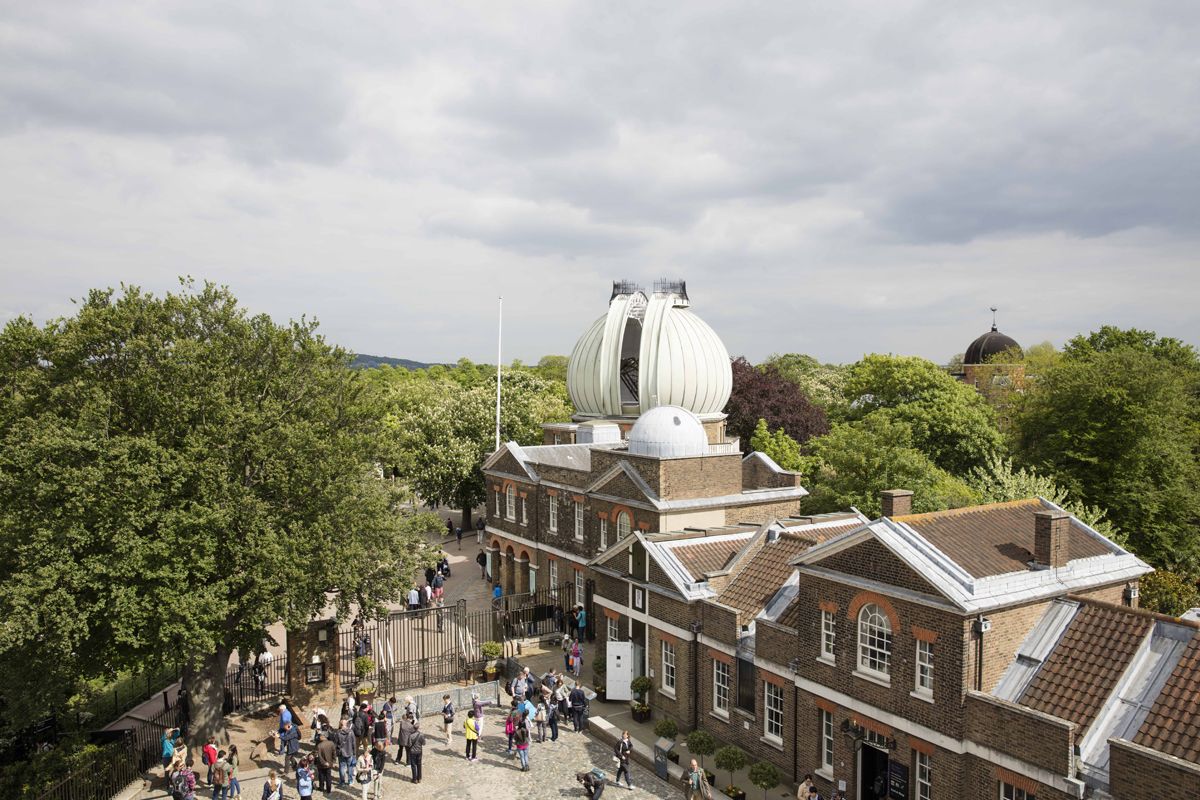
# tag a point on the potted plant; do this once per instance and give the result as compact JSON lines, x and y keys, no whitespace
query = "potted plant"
{"x":641,"y":686}
{"x":364,"y":690}
{"x":491,"y":656}
{"x":765,"y":776}
{"x":599,"y":667}
{"x":701,"y":743}
{"x":666,"y":728}
{"x":731,"y":759}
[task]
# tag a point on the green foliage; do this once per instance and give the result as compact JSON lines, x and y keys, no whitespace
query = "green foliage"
{"x":701,"y":743}
{"x":553,"y":368}
{"x":363,"y":666}
{"x":854,"y":462}
{"x":491,"y":650}
{"x":823,"y":384}
{"x":1110,"y":339}
{"x":1118,"y":428}
{"x":731,"y":758}
{"x":641,"y":686}
{"x":949,"y":421}
{"x":600,"y":665}
{"x":765,"y":776}
{"x":175,"y":476}
{"x":1168,"y":593}
{"x":666,"y":728}
{"x":781,"y":448}
{"x":32,"y":778}
{"x":1040,"y":359}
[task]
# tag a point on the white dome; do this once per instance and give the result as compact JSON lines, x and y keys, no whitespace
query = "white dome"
{"x":647,"y":352}
{"x":668,"y":432}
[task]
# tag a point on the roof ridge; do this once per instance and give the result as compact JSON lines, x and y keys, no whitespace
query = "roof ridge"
{"x":954,"y":512}
{"x":1137,"y":612}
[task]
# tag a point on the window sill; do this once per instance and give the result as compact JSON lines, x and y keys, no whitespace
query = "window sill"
{"x":723,"y":716}
{"x":510,"y":519}
{"x":771,"y":741}
{"x":824,"y":772}
{"x":668,"y":693}
{"x":870,"y":677}
{"x":743,"y":712}
{"x":830,"y":660}
{"x":920,"y":695}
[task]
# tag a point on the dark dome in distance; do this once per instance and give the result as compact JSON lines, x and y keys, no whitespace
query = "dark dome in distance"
{"x":988,"y":345}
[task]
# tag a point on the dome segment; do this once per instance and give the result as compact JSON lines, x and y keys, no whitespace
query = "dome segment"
{"x":583,"y":370}
{"x":668,"y":432}
{"x":988,"y":345}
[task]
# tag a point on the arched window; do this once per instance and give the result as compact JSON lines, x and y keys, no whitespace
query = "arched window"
{"x":874,"y":640}
{"x":510,"y":503}
{"x":622,"y":525}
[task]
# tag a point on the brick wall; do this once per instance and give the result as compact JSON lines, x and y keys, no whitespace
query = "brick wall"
{"x":776,"y":643}
{"x":744,"y":728}
{"x":1010,"y":626}
{"x":1138,"y":773}
{"x":871,"y":559}
{"x":757,"y":475}
{"x":707,"y":476}
{"x":759,"y":513}
{"x":982,"y":779}
{"x":719,"y":622}
{"x":1025,"y":734}
{"x":676,"y":704}
{"x":675,"y":612}
{"x":647,"y":468}
{"x":609,"y":587}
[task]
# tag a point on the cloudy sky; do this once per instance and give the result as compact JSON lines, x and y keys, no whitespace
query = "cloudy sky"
{"x":832,"y":178}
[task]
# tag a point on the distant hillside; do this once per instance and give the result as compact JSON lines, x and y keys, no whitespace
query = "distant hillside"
{"x":363,"y":361}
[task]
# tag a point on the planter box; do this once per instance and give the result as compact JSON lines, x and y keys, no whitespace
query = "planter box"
{"x":711,"y":777}
{"x":673,"y":757}
{"x":736,"y":794}
{"x":641,"y":716}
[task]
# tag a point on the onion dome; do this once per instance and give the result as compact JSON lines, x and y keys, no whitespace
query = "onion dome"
{"x":988,"y":345}
{"x":668,"y":432}
{"x":649,"y":351}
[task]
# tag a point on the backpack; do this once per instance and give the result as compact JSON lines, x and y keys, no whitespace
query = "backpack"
{"x":360,"y":725}
{"x":509,"y":726}
{"x":204,"y":757}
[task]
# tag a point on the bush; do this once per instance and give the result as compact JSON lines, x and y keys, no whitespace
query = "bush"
{"x":701,"y":743}
{"x":491,"y":650}
{"x":1168,"y":593}
{"x":731,"y":759}
{"x":765,"y":776}
{"x":600,"y":665}
{"x":363,"y":666}
{"x":641,"y":686}
{"x":666,"y":728}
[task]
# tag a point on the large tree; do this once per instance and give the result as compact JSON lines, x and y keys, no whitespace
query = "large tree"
{"x":950,"y":422}
{"x":1115,"y":424}
{"x":443,"y":442}
{"x":175,"y":476}
{"x":762,"y":393}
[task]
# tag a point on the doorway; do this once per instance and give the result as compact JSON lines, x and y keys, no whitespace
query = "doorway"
{"x":872,"y":773}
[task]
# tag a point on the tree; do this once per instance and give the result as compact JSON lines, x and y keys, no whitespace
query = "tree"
{"x":443,"y":442}
{"x":1039,"y":359}
{"x":764,"y":394}
{"x":778,"y":446}
{"x":731,"y":758}
{"x":765,"y":776}
{"x":1110,"y":338}
{"x":175,"y":476}
{"x":1168,"y":593}
{"x":823,"y":384}
{"x":854,"y":462}
{"x":950,"y":422}
{"x":701,"y":743}
{"x":553,"y":368}
{"x":1118,"y":428}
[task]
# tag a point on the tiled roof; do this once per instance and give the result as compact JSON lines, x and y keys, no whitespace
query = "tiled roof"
{"x":1173,"y":725}
{"x":791,"y":615}
{"x":994,"y":539}
{"x":1080,"y":674}
{"x":706,"y":556}
{"x":761,"y":578}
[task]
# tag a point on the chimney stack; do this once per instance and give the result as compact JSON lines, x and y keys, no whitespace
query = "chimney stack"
{"x":896,"y":502}
{"x":1050,"y":532}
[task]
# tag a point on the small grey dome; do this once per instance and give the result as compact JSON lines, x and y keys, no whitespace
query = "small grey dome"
{"x":988,"y":345}
{"x":668,"y":432}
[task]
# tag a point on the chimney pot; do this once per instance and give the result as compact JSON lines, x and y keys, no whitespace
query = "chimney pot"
{"x":1051,"y":530}
{"x":896,"y":502}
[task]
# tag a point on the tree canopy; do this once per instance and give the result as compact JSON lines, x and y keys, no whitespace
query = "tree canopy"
{"x":762,"y":393}
{"x":175,"y":476}
{"x":781,"y":448}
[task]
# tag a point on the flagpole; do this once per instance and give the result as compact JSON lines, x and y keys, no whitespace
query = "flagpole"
{"x":499,"y":336}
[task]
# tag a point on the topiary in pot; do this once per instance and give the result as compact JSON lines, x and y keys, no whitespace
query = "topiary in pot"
{"x":765,"y":776}
{"x":641,"y":686}
{"x":701,"y":743}
{"x":731,"y":759}
{"x":666,"y":728}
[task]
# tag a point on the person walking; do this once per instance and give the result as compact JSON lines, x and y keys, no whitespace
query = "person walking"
{"x":552,"y":719}
{"x":346,"y":747}
{"x":539,"y":719}
{"x":697,"y":783}
{"x":578,"y":703}
{"x":416,"y":751}
{"x":472,"y":729}
{"x":273,"y":787}
{"x":458,"y":533}
{"x":235,"y":787}
{"x":622,"y":751}
{"x":364,"y":773}
{"x":326,"y":760}
{"x":448,"y":720}
{"x":576,"y":658}
{"x":449,"y":526}
{"x":481,"y":560}
{"x":414,"y":599}
{"x":480,"y":525}
{"x":521,"y":740}
{"x":220,"y":777}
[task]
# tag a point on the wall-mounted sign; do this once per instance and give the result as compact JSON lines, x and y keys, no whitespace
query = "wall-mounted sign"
{"x":314,"y":673}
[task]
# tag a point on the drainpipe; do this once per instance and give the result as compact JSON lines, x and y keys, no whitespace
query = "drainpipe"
{"x":981,"y":627}
{"x":696,"y":627}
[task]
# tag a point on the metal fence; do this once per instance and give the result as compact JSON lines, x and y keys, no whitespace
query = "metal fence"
{"x":253,"y":683}
{"x":104,"y":774}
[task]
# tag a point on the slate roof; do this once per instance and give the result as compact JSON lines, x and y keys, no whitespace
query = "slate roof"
{"x":759,"y":580}
{"x":1083,"y":670}
{"x":995,"y":539}
{"x":1173,"y":724}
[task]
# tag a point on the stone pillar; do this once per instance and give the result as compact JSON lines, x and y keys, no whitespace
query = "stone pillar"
{"x":521,"y":575}
{"x":313,"y":665}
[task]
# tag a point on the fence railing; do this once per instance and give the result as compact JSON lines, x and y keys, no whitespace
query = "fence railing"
{"x":100,"y":777}
{"x":252,"y":683}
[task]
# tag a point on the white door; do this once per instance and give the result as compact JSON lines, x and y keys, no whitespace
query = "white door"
{"x":620,"y":670}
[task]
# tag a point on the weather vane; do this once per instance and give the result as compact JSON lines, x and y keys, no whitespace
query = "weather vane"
{"x":993,"y":317}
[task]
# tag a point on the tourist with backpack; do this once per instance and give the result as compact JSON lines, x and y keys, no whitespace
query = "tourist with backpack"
{"x":235,"y":786}
{"x":208,"y":757}
{"x":593,"y":782}
{"x":273,"y":788}
{"x":552,"y":720}
{"x":364,"y":773}
{"x":511,"y":723}
{"x":481,"y":560}
{"x":182,"y":782}
{"x":540,"y":719}
{"x":220,"y":777}
{"x":521,"y":740}
{"x":361,"y":726}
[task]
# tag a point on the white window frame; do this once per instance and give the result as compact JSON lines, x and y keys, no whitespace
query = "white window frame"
{"x":554,"y":513}
{"x":668,"y":667}
{"x":603,"y":534}
{"x":828,"y":636}
{"x":875,"y":640}
{"x":924,"y":669}
{"x":498,"y":513}
{"x":579,"y":591}
{"x":524,"y":512}
{"x":552,"y":577}
{"x":614,"y":629}
{"x":773,"y":712}
{"x":1010,"y":792}
{"x":624,"y":525}
{"x":924,"y":773}
{"x":510,"y":504}
{"x":721,"y":684}
{"x":578,"y":521}
{"x":826,"y":742}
